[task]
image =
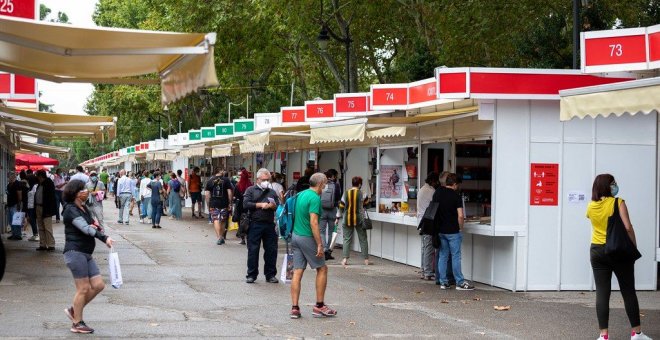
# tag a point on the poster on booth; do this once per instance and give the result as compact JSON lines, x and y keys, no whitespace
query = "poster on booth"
{"x":544,"y":186}
{"x":391,"y":181}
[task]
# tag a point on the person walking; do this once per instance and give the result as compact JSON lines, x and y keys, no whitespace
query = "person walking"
{"x":45,"y":205}
{"x":241,"y":188}
{"x":351,"y":209}
{"x":449,"y":219}
{"x":260,"y":201}
{"x":80,"y":175}
{"x":145,"y":196}
{"x":330,"y":197}
{"x":183,"y":193}
{"x":220,"y":195}
{"x":31,"y":211}
{"x":60,"y":182}
{"x":424,"y":197}
{"x":125,"y":194}
{"x":173,"y":195}
{"x":157,"y":193}
{"x":135,"y":198}
{"x":104,"y":178}
{"x":96,"y":190}
{"x":308,"y":247}
{"x":195,"y":191}
{"x":80,"y":232}
{"x":601,"y":207}
{"x":14,"y":204}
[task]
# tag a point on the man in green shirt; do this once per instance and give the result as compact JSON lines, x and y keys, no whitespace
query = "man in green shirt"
{"x":308,"y":247}
{"x":104,"y":179}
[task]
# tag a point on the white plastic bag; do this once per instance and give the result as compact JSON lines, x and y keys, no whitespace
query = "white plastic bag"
{"x":115,"y":269}
{"x":17,"y":218}
{"x":287,"y":266}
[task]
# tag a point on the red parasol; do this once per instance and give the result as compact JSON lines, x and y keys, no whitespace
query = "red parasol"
{"x":33,"y":168}
{"x":31,"y":160}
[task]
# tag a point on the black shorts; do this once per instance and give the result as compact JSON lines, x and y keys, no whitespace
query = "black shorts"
{"x":196,"y":197}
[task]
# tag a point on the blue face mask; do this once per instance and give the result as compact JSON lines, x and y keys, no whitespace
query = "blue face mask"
{"x":614,"y":188}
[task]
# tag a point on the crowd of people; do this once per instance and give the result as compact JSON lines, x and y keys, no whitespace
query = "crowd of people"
{"x":34,"y":199}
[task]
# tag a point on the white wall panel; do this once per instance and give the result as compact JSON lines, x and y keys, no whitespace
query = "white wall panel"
{"x":579,"y":131}
{"x":414,"y":247}
{"x":638,"y":129}
{"x":293,"y":165}
{"x":503,"y":262}
{"x":545,"y":125}
{"x":357,"y":164}
{"x":482,"y":258}
{"x":329,"y":160}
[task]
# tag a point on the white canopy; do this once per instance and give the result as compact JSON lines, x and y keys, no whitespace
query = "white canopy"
{"x":64,"y":53}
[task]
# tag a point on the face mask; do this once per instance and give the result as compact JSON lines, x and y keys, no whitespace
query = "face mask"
{"x":264,"y":184}
{"x":615,"y":189}
{"x":94,"y":178}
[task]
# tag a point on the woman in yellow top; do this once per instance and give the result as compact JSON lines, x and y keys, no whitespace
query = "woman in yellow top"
{"x":599,"y":210}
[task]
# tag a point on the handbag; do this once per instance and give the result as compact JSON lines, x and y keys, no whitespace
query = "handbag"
{"x":116,"y":279}
{"x":426,"y":223}
{"x":17,"y":218}
{"x":366,"y":224}
{"x":618,"y":244}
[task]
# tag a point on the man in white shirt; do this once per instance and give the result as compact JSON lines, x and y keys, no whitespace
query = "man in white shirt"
{"x":424,"y":197}
{"x":80,"y":175}
{"x":145,"y":196}
{"x":125,"y":195}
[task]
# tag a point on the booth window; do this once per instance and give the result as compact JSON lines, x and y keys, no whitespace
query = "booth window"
{"x":474,"y":169}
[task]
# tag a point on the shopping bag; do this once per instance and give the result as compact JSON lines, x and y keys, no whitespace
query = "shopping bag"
{"x":100,"y":195}
{"x":333,"y":239}
{"x":287,"y":266}
{"x":115,"y":269}
{"x":18,"y":218}
{"x":232,"y":226}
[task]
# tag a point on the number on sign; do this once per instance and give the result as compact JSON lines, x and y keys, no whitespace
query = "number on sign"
{"x":389,"y":96}
{"x":319,"y":110}
{"x":351,"y":104}
{"x":616,"y":50}
{"x":294,"y":115}
{"x":6,"y":6}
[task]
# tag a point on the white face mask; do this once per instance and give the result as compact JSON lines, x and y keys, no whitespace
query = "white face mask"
{"x":264,"y":184}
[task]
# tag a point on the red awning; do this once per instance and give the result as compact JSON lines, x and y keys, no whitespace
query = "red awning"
{"x":33,"y":168}
{"x":27,"y":159}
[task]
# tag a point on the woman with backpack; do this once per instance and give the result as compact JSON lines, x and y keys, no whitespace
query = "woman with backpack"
{"x":173,"y":190}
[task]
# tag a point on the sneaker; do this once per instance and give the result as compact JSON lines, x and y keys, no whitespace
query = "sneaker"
{"x":34,"y":238}
{"x":272,"y":279}
{"x":141,"y":220}
{"x":250,"y":280}
{"x":57,"y":221}
{"x":220,"y":241}
{"x":154,"y":226}
{"x":464,"y":286}
{"x":41,"y":248}
{"x":242,"y":242}
{"x":50,"y":249}
{"x":210,"y":222}
{"x":120,"y":222}
{"x":80,"y":327}
{"x":603,"y":337}
{"x":640,"y":336}
{"x":295,"y":313}
{"x":444,"y":286}
{"x":69,"y":312}
{"x":322,"y":312}
{"x":126,"y":223}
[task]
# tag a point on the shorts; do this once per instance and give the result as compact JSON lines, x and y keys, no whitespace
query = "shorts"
{"x":218,"y":214}
{"x":196,"y":197}
{"x":304,"y":252}
{"x":82,"y":265}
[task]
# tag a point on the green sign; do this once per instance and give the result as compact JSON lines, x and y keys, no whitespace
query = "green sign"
{"x":208,"y":132}
{"x":224,"y":130}
{"x":131,"y":149}
{"x":246,"y":125}
{"x":194,"y":135}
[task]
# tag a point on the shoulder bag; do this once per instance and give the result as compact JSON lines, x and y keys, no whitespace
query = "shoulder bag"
{"x":618,"y":244}
{"x":366,"y":223}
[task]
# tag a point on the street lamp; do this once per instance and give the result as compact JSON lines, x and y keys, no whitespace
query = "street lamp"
{"x":323,"y":39}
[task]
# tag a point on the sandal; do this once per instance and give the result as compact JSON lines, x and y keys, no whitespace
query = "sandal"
{"x":344,"y":262}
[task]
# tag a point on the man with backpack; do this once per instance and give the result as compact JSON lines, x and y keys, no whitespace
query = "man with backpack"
{"x":308,"y":247}
{"x":260,"y":202}
{"x":220,"y":195}
{"x":330,"y":197}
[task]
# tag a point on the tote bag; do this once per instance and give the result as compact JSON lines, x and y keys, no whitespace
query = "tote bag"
{"x":618,"y":244}
{"x":17,"y":218}
{"x":115,"y":269}
{"x":287,"y":266}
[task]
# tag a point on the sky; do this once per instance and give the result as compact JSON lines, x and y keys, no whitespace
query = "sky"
{"x":69,"y":98}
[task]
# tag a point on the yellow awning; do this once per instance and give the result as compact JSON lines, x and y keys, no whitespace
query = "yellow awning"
{"x":338,"y":132}
{"x":65,"y":53}
{"x":395,"y":131}
{"x":632,"y":97}
{"x":193,"y":151}
{"x":422,"y":118}
{"x":51,"y":149}
{"x":245,"y":147}
{"x":221,"y":151}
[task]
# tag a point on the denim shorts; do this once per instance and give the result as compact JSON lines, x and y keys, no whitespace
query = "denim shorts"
{"x":304,"y":252}
{"x":82,"y":265}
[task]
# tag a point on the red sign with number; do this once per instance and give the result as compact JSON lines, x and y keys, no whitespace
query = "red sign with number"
{"x":615,"y":50}
{"x":654,"y":46}
{"x":293,"y":115}
{"x":296,"y":175}
{"x":351,"y":105}
{"x":319,"y":110}
{"x":423,"y":93}
{"x":18,"y":8}
{"x":388,"y":96}
{"x":544,"y":186}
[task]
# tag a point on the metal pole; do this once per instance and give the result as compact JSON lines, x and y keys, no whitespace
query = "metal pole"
{"x":576,"y":32}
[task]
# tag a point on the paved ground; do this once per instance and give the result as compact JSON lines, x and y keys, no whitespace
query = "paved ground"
{"x":178,"y":284}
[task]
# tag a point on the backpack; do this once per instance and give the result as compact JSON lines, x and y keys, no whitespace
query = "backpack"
{"x":285,"y":217}
{"x":218,"y":191}
{"x":176,"y":186}
{"x":290,"y":192}
{"x":328,"y":196}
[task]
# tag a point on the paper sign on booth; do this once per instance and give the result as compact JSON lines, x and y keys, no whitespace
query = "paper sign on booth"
{"x":544,"y":186}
